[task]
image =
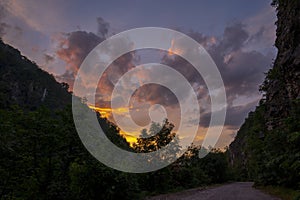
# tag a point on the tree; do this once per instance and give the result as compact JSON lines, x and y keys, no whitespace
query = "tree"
{"x":158,"y":137}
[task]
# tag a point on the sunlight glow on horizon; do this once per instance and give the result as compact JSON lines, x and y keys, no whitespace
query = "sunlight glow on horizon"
{"x":107,"y":113}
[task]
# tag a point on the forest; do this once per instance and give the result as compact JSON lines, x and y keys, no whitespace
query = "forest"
{"x":42,"y":156}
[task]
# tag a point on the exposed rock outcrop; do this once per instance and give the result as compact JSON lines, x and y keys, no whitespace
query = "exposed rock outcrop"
{"x":276,"y":118}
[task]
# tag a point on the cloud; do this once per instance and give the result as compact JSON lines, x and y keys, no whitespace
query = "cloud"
{"x":3,"y":26}
{"x":40,"y":16}
{"x":103,"y":27}
{"x":8,"y":30}
{"x":20,"y":10}
{"x":241,"y":68}
{"x":156,"y":94}
{"x":112,"y":74}
{"x":262,"y":30}
{"x":235,"y":115}
{"x":67,"y":77}
{"x":240,"y":61}
{"x":242,"y":71}
{"x":241,"y":54}
{"x":204,"y":40}
{"x":48,"y":58}
{"x":234,"y":37}
{"x":72,"y":49}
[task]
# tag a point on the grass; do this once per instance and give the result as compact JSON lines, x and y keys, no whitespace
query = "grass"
{"x":281,"y":192}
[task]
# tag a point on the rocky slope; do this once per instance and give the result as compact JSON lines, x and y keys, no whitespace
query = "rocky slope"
{"x":265,"y":148}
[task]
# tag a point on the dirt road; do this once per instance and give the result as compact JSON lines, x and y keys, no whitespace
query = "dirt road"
{"x":233,"y":191}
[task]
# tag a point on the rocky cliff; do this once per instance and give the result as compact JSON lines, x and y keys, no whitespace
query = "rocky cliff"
{"x":282,"y":84}
{"x":266,"y":147}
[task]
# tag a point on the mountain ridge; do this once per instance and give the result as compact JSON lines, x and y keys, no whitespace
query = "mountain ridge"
{"x":24,"y":84}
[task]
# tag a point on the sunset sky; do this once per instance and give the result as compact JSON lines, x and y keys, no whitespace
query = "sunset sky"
{"x":239,"y":35}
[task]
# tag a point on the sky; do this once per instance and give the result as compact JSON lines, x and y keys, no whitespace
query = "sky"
{"x":239,"y":35}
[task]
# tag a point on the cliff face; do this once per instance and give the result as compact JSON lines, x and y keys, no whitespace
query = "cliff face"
{"x":282,"y":84}
{"x":266,"y":147}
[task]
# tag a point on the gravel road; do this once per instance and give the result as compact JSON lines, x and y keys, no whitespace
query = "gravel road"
{"x":233,"y":191}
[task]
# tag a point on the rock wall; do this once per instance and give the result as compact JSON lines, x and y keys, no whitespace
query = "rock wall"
{"x":282,"y":84}
{"x":281,"y":99}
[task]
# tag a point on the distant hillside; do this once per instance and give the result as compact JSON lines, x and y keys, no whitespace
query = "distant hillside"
{"x":266,"y":148}
{"x":41,"y":154}
{"x":23,"y":83}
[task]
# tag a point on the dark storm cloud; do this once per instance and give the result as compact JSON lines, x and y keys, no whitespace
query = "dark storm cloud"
{"x":184,"y":67}
{"x":156,"y":94}
{"x":234,"y":37}
{"x":235,"y":115}
{"x":112,"y":74}
{"x":72,"y":49}
{"x":103,"y":27}
{"x":204,"y":40}
{"x":75,"y":46}
{"x":242,"y":71}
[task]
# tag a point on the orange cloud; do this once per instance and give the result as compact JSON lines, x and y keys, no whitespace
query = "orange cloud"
{"x":129,"y":138}
{"x":107,"y":113}
{"x":174,"y":49}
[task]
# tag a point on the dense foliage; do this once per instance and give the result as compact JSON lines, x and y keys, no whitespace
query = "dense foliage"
{"x":42,"y":156}
{"x":23,"y":83}
{"x":270,"y":157}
